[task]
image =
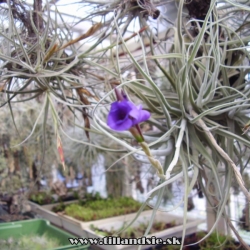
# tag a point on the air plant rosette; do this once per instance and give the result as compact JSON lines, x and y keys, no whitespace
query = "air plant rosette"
{"x":125,"y":115}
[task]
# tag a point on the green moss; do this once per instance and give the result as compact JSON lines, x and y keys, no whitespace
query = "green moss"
{"x":101,"y":208}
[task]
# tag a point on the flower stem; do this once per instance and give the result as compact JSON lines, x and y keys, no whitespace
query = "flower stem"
{"x":155,"y":163}
{"x":136,"y":132}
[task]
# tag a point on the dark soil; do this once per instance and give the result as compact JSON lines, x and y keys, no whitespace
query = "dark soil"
{"x":14,"y":217}
{"x":6,"y":216}
{"x":11,"y":209}
{"x":198,"y":8}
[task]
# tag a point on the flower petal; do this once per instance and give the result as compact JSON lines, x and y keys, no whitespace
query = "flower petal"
{"x":118,"y":118}
{"x":124,"y":114}
{"x":143,"y":115}
{"x":138,"y":114}
{"x":126,"y":125}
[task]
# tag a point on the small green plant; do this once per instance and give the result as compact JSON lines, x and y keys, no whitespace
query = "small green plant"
{"x":75,"y":194}
{"x":59,"y":208}
{"x":42,"y":198}
{"x":88,"y":197}
{"x":217,"y":241}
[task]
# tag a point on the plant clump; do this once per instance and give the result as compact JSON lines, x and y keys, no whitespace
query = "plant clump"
{"x":135,"y":232}
{"x":50,"y":197}
{"x":42,"y":198}
{"x":98,"y":209}
{"x":218,"y":241}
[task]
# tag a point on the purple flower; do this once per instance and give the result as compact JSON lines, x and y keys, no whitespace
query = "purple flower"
{"x":124,"y":115}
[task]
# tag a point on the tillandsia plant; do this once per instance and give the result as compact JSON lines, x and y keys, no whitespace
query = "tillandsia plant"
{"x":186,"y":61}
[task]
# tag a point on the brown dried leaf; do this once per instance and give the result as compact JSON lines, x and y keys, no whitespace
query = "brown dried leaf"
{"x":60,"y":151}
{"x":51,"y":52}
{"x":3,"y":86}
{"x":86,"y":125}
{"x":85,"y":91}
{"x":89,"y":33}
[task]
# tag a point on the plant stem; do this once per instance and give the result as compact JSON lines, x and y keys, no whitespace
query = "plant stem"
{"x":155,"y":163}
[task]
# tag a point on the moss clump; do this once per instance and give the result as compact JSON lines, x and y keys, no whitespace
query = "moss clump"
{"x":101,"y":208}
